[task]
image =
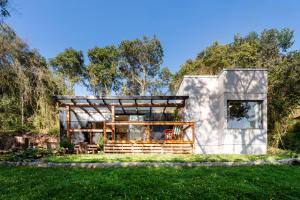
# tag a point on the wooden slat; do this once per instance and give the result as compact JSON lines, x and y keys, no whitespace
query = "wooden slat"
{"x":148,"y":148}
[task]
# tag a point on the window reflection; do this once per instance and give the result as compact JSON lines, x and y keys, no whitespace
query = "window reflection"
{"x":244,"y":114}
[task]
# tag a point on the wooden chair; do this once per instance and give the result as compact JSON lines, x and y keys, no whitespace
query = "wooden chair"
{"x":171,"y":134}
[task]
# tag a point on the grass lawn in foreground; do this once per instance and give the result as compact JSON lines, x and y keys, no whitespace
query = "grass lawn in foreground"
{"x":259,"y":182}
{"x":163,"y":157}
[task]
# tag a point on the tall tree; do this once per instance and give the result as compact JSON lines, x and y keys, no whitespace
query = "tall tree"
{"x":26,"y":86}
{"x":69,"y":64}
{"x":139,"y":64}
{"x":102,"y":70}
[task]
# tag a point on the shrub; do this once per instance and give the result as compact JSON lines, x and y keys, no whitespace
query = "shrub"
{"x":101,"y":142}
{"x":69,"y":147}
{"x":291,"y":140}
{"x":30,"y":154}
{"x":60,"y":151}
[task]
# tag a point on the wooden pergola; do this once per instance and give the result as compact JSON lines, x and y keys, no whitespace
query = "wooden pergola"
{"x":125,"y":105}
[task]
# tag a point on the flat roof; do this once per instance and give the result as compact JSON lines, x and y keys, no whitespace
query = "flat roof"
{"x":122,"y":104}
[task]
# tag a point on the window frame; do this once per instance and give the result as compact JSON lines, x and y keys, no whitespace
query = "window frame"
{"x":237,"y":100}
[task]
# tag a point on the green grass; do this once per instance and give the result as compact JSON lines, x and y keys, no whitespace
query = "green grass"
{"x":165,"y":157}
{"x":259,"y":182}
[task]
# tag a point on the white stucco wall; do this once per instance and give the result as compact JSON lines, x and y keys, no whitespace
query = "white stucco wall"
{"x":207,"y":107}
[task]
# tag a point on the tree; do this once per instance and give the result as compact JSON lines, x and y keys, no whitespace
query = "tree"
{"x":161,"y":85}
{"x":139,"y":63}
{"x":285,"y":39}
{"x":102,"y":70}
{"x":26,"y":86}
{"x":283,"y":95}
{"x":69,"y":64}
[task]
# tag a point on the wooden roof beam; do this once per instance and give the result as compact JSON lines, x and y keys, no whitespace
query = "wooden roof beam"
{"x":126,"y":105}
{"x":122,"y":106}
{"x":108,"y":107}
{"x":96,"y":109}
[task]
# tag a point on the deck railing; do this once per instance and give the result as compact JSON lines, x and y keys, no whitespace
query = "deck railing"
{"x":169,"y":135}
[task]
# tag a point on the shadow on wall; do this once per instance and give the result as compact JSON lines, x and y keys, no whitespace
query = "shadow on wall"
{"x":207,"y":107}
{"x":203,"y":95}
{"x":248,"y":85}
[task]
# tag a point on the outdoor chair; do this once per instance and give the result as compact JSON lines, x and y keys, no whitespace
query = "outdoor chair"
{"x":173,"y":134}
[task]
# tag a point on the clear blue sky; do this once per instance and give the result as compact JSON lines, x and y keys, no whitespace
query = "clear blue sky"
{"x":183,"y":27}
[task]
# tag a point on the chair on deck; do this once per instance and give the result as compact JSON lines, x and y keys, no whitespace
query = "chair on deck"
{"x":171,"y":134}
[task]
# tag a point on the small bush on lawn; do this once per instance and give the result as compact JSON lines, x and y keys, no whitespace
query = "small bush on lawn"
{"x":68,"y":146}
{"x":30,"y":154}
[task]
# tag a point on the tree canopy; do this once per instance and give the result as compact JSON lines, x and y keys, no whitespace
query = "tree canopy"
{"x":102,"y":69}
{"x":139,"y":65}
{"x":69,"y":64}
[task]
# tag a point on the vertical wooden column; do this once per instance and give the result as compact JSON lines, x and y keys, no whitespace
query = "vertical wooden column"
{"x":113,"y":120}
{"x":104,"y":132}
{"x":68,"y":122}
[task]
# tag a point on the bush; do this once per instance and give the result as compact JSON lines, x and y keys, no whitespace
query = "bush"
{"x":101,"y":143}
{"x":68,"y":146}
{"x":291,"y":140}
{"x":60,"y":151}
{"x":30,"y":154}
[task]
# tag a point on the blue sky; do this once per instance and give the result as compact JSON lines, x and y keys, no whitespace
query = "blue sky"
{"x":183,"y":27}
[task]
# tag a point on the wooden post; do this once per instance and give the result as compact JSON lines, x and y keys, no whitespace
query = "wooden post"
{"x":104,"y":132}
{"x":193,"y":131}
{"x":68,"y":123}
{"x":113,"y":120}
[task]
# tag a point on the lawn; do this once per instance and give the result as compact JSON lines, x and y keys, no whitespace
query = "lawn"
{"x":259,"y":182}
{"x":167,"y":157}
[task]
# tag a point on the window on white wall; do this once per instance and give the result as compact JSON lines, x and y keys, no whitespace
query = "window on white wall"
{"x":244,"y":114}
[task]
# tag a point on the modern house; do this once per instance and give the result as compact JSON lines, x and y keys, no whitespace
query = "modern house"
{"x":226,"y":113}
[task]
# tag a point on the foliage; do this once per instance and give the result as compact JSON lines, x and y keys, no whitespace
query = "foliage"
{"x":26,"y":86}
{"x":67,"y":145}
{"x":258,"y":182}
{"x":101,"y":143}
{"x":69,"y":64}
{"x":269,"y":50}
{"x":291,"y":140}
{"x":132,"y":68}
{"x":139,"y":66}
{"x":30,"y":154}
{"x":102,"y":69}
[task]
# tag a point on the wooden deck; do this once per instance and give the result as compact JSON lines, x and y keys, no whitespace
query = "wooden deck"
{"x":160,"y":148}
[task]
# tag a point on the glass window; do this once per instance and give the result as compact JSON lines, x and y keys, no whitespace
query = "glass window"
{"x":244,"y":114}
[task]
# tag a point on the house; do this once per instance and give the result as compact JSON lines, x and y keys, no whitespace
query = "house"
{"x":229,"y":111}
{"x":222,"y":114}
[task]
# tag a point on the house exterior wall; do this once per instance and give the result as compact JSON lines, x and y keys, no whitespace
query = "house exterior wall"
{"x":207,"y":107}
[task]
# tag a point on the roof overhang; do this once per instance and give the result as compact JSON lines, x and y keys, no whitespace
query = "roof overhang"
{"x":123,"y":104}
